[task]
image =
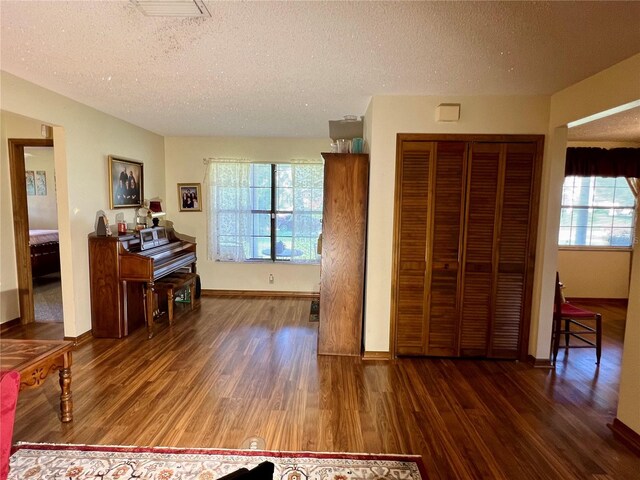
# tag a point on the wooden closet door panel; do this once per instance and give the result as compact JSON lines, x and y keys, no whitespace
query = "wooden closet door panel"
{"x":513,"y":250}
{"x":479,"y":248}
{"x":443,"y":266}
{"x":412,"y":215}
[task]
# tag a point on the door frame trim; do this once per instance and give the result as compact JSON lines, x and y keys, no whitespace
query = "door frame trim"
{"x":21,"y":222}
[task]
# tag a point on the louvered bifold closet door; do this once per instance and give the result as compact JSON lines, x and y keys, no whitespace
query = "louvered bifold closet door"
{"x":513,"y":250}
{"x":412,"y":210}
{"x":443,"y":269}
{"x":479,"y":247}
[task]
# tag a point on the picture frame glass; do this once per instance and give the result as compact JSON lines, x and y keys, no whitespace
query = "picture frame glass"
{"x":126,"y":182}
{"x":189,"y":197}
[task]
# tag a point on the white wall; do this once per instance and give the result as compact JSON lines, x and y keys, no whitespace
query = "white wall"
{"x":11,"y":126}
{"x":83,"y":139}
{"x":388,"y":116}
{"x":594,"y":273}
{"x":184,"y":164}
{"x":43,"y":211}
{"x":629,"y":396}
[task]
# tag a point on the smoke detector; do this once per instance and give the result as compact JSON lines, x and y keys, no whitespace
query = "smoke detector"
{"x":172,"y":8}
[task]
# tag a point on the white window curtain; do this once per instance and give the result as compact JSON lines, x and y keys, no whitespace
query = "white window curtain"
{"x":230,"y":218}
{"x":229,"y":209}
{"x":307,"y":209}
{"x":634,"y":185}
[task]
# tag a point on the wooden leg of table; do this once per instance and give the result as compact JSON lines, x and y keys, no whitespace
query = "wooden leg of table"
{"x":66,"y":404}
{"x":170,"y":305}
{"x":149,"y":303}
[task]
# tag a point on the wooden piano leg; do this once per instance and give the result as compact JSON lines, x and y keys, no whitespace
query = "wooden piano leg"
{"x":192,"y":293}
{"x":170,"y":305}
{"x":149,"y":304}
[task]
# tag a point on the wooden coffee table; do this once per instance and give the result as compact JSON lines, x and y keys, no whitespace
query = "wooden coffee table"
{"x":35,"y":360}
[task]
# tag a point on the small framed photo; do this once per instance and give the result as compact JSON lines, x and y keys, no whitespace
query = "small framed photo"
{"x":31,"y":182}
{"x":126,"y":182}
{"x":41,"y":182}
{"x":189,"y":197}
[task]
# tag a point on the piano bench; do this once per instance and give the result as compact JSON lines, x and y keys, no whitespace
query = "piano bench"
{"x":173,"y":283}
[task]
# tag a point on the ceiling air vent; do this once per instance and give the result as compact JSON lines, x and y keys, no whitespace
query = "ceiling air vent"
{"x":172,"y":8}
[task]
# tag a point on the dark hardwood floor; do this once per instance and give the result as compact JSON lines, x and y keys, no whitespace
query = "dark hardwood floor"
{"x":248,"y":367}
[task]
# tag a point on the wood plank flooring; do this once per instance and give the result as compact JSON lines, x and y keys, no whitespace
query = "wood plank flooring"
{"x":237,"y":368}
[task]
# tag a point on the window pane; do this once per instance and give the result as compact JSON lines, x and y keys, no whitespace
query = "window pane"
{"x":284,"y":199}
{"x":609,"y":182}
{"x":603,"y":197}
{"x":261,"y":224}
{"x":565,"y":236}
{"x":284,"y":226}
{"x":582,"y":217}
{"x":580,"y":236}
{"x":600,"y":236}
{"x":261,"y":248}
{"x":624,"y":197}
{"x":623,"y":217}
{"x":261,"y":199}
{"x":596,"y":211}
{"x":283,"y":176}
{"x":565,"y":217}
{"x":261,"y":175}
{"x":621,"y":237}
{"x":243,"y":200}
{"x":602,"y":217}
{"x":316,"y":199}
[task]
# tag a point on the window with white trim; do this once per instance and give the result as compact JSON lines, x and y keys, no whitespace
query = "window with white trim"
{"x":597,"y":212}
{"x":262,"y":211}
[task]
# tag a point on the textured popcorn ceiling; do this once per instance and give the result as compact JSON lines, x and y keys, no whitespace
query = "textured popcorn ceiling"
{"x":620,"y":127}
{"x":286,"y":68}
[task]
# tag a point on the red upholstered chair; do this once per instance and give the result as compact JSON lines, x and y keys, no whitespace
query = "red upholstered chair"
{"x":574,"y":322}
{"x":9,"y":387}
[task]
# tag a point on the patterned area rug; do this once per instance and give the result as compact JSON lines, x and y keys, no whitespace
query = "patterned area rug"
{"x":83,"y":462}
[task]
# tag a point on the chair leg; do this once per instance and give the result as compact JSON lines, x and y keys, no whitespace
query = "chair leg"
{"x":556,"y":338}
{"x":598,"y":337}
{"x":567,"y":329}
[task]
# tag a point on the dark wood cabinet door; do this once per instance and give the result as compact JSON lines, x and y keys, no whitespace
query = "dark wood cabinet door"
{"x":344,"y":224}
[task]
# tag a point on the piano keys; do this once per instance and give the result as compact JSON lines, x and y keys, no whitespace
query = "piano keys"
{"x":123,"y":270}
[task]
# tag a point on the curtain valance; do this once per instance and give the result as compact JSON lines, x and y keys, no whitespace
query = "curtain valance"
{"x":602,"y":162}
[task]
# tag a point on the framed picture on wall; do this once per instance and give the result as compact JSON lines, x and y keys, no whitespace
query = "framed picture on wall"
{"x":31,"y":182}
{"x":41,"y":182}
{"x":126,"y":182}
{"x":189,"y":197}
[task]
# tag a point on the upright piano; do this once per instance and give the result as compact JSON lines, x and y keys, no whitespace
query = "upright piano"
{"x":123,"y":270}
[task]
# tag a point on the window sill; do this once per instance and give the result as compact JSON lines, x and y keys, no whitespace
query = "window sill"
{"x":583,"y":248}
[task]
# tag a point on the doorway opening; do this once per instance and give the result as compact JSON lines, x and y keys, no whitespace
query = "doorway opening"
{"x":35,"y":220}
{"x":43,"y":234}
{"x":598,"y":232}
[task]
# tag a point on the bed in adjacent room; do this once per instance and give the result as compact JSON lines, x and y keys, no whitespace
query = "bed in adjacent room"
{"x":45,"y":252}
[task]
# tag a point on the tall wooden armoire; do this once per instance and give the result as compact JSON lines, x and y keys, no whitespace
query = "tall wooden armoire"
{"x":344,"y":225}
{"x":464,"y":244}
